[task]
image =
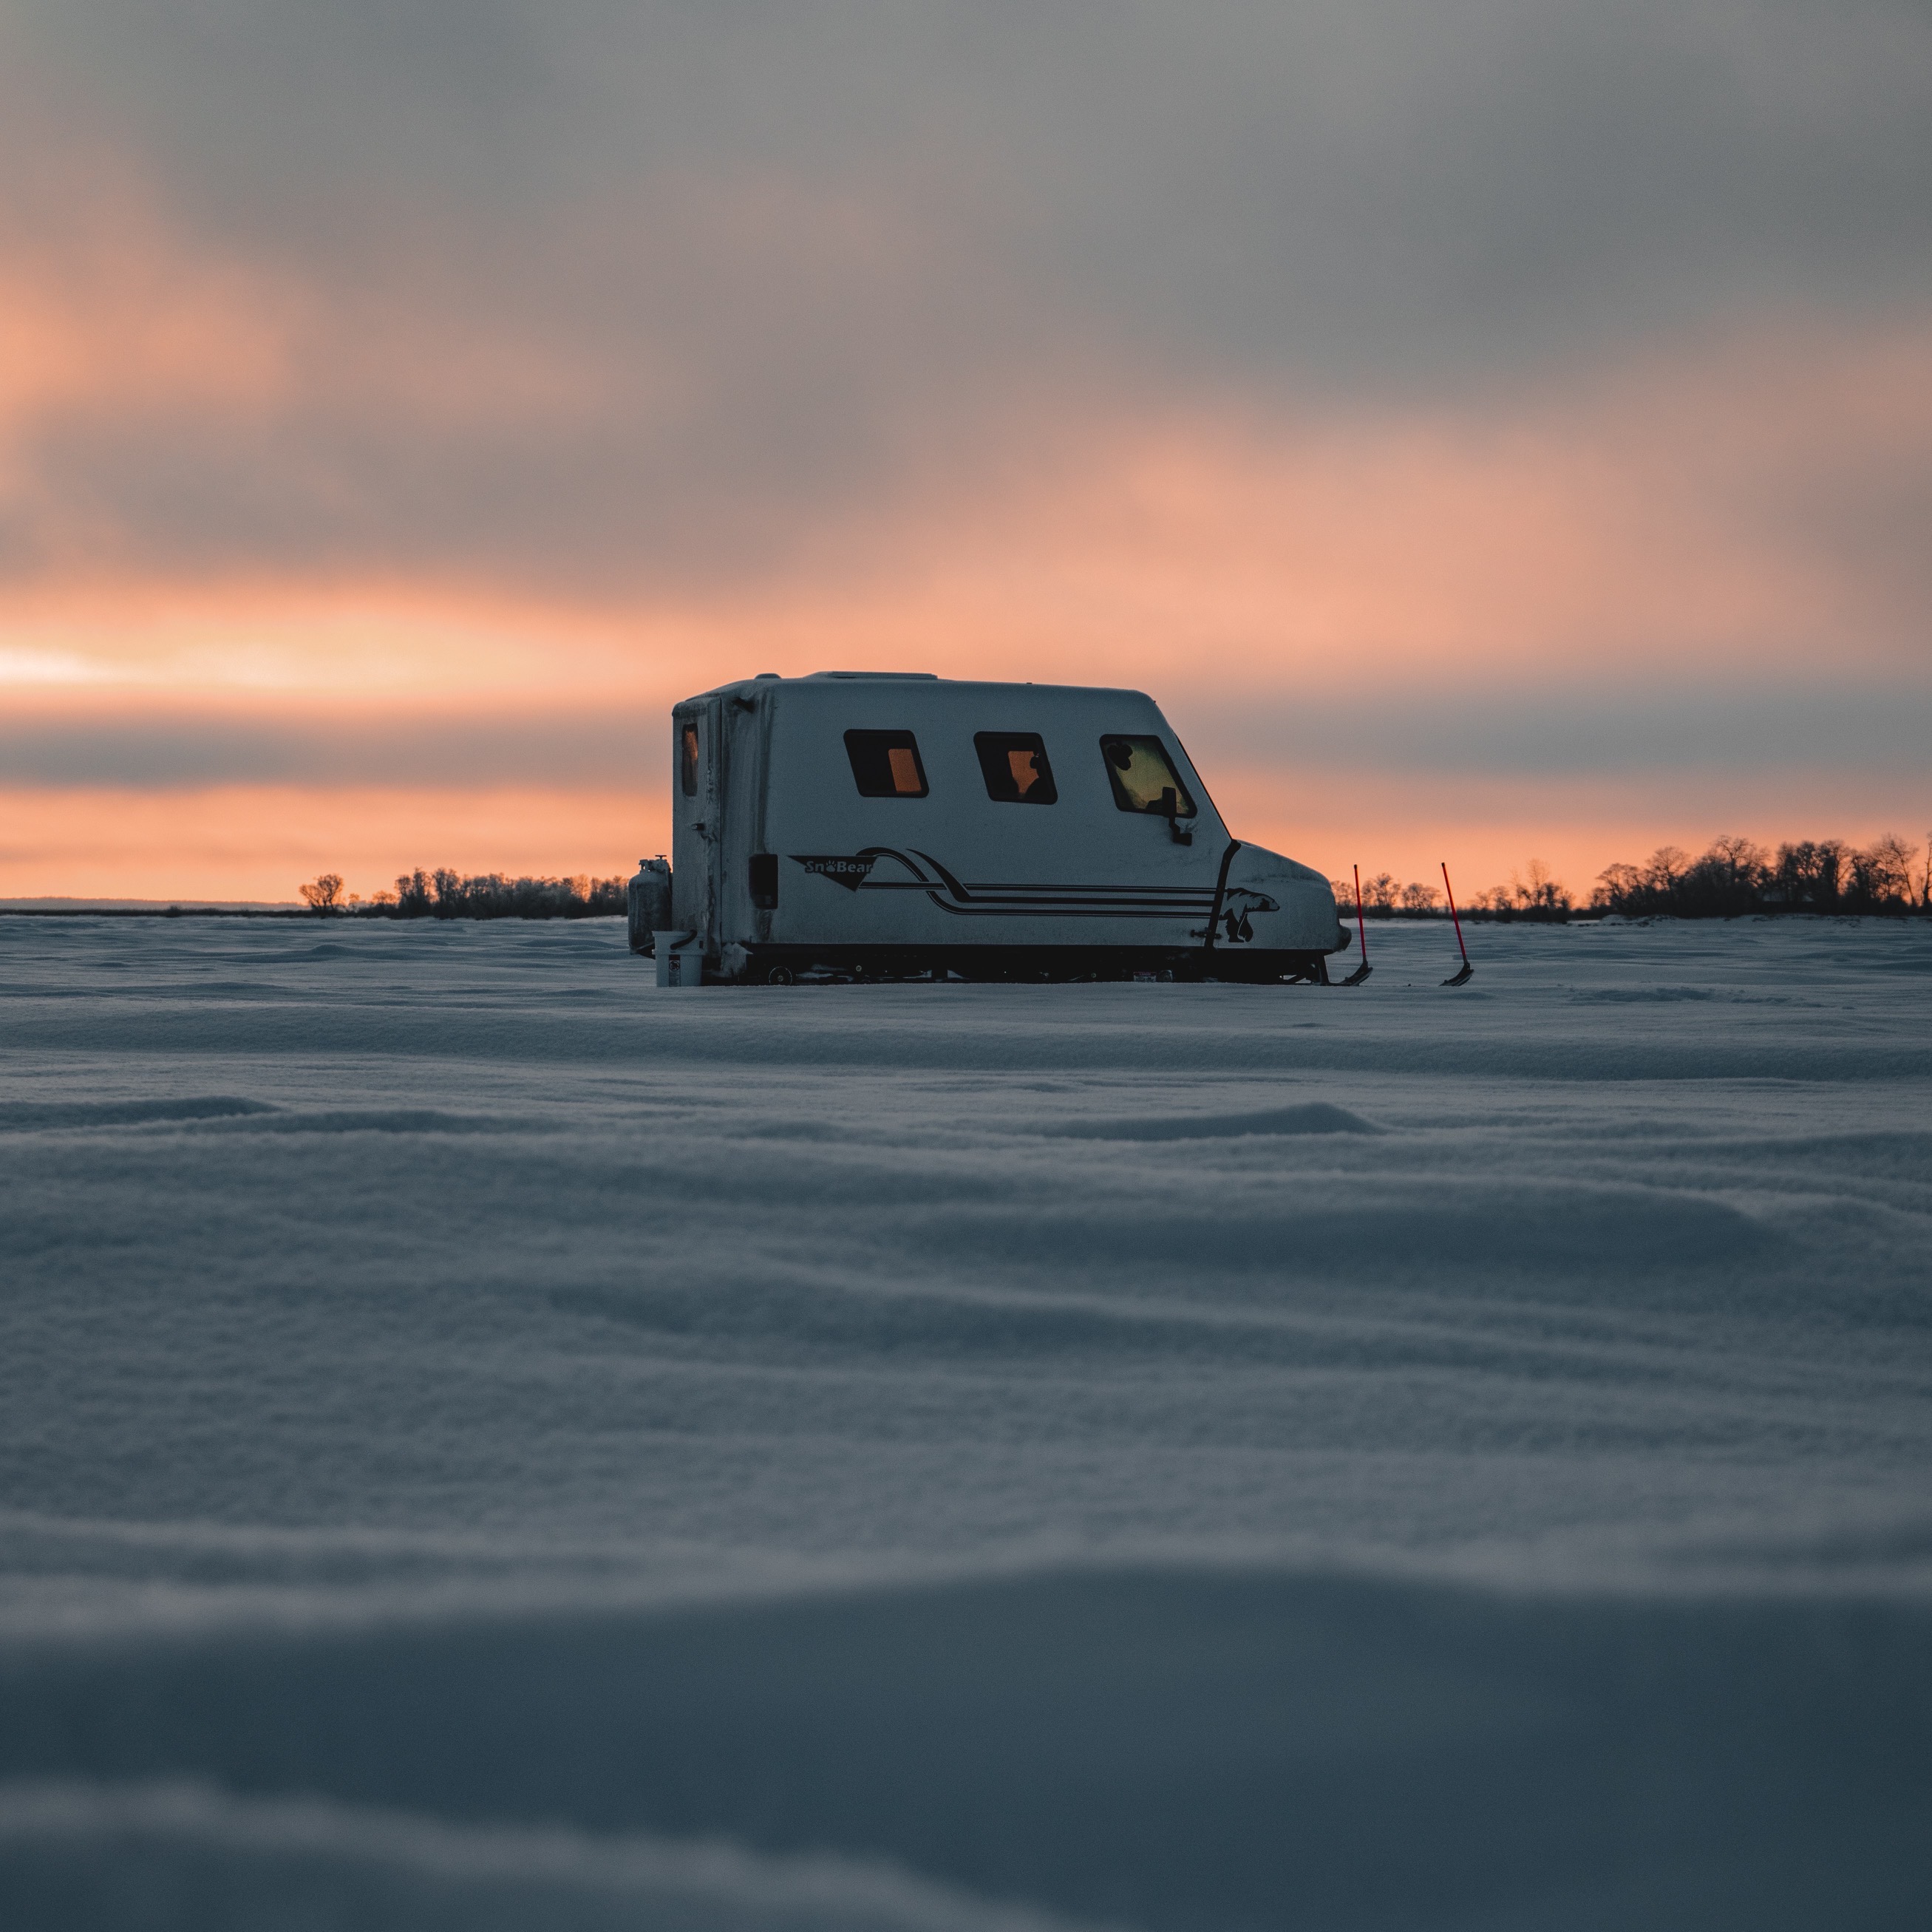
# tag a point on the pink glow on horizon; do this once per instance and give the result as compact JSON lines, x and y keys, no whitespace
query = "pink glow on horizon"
{"x":260,"y":842}
{"x":1653,"y":529}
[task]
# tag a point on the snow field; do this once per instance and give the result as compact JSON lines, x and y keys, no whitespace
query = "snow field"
{"x":487,"y":1442}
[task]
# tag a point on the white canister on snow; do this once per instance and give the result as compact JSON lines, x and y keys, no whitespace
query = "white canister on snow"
{"x":680,"y":959}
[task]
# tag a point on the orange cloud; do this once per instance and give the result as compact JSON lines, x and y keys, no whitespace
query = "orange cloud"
{"x":1720,"y":518}
{"x":114,"y":316}
{"x":1665,"y":520}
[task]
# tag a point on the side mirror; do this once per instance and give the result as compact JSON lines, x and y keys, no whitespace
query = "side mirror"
{"x":1169,"y":809}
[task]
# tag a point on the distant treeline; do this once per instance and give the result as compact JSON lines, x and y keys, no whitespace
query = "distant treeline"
{"x":444,"y":894}
{"x":1531,"y":894}
{"x":1734,"y":877}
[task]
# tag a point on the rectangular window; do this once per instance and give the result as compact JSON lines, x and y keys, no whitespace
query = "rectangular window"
{"x":1144,"y":778}
{"x":885,"y":764}
{"x":764,"y":880}
{"x":687,"y":761}
{"x":1015,"y":763}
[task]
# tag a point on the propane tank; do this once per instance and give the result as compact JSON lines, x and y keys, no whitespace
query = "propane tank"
{"x":647,"y":901}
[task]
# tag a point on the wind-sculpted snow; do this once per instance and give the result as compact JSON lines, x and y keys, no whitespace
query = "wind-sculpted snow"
{"x":1316,"y":1116}
{"x":489,"y":1443}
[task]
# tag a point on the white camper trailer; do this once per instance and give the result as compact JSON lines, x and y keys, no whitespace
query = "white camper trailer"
{"x":887,"y":824}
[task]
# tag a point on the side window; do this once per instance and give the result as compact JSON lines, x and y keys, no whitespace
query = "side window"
{"x":885,"y":764}
{"x":1144,"y":778}
{"x":687,"y":761}
{"x":1015,"y":763}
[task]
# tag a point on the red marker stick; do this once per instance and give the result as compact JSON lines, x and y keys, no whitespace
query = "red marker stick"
{"x":1451,"y":891}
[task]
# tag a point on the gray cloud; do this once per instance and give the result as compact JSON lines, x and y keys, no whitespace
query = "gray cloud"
{"x":1572,"y":730}
{"x":1568,"y":730}
{"x":799,"y":255}
{"x":181,"y":751}
{"x":1387,"y":185}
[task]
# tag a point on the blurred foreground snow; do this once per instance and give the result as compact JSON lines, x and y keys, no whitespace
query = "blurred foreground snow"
{"x":487,"y":1443}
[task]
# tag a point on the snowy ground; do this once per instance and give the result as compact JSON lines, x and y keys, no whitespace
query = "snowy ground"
{"x":485,"y":1442}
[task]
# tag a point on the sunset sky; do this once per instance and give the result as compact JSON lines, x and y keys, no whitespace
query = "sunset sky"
{"x":1490,"y":428}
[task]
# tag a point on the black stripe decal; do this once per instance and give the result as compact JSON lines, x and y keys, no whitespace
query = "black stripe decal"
{"x":1025,"y":898}
{"x":977,"y":911}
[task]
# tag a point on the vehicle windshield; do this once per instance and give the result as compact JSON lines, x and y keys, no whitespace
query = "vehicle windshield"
{"x":1144,"y":779}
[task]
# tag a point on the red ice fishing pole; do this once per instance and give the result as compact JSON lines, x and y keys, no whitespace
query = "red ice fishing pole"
{"x":1361,"y":972}
{"x":1456,"y":979}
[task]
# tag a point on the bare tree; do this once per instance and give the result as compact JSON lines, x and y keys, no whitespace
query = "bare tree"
{"x":323,"y":894}
{"x":1811,"y":872}
{"x":1745,"y":857}
{"x":1619,"y":886}
{"x":1881,"y":875}
{"x":1897,"y":858}
{"x":1665,"y":867}
{"x":1535,"y":890}
{"x":1419,"y":899}
{"x":1380,"y":892}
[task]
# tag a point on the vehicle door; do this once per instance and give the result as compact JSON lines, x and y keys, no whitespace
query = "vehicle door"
{"x":697,"y":806}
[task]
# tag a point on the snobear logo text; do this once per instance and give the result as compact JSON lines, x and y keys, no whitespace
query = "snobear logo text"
{"x":850,"y":873}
